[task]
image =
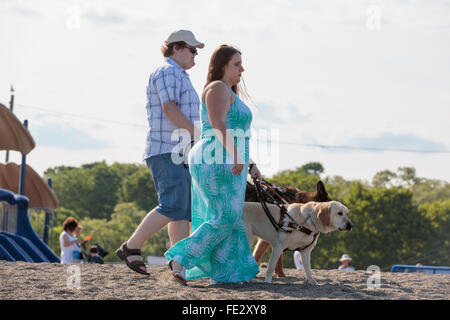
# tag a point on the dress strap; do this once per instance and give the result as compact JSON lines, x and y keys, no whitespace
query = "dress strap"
{"x":229,"y":88}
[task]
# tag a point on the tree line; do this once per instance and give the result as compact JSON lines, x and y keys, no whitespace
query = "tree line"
{"x":398,"y":218}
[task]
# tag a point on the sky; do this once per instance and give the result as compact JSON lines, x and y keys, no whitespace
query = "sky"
{"x":371,"y":78}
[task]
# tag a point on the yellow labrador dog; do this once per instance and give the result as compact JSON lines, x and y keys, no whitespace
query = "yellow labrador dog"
{"x":318,"y":217}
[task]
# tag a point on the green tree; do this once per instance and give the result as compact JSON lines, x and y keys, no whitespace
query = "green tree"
{"x":383,"y":179}
{"x":62,"y":214}
{"x":298,"y":178}
{"x":388,"y":229}
{"x":337,"y":187}
{"x":429,"y":190}
{"x":315,"y":168}
{"x":90,"y":191}
{"x":437,"y":251}
{"x":408,"y":176}
{"x":139,"y":188}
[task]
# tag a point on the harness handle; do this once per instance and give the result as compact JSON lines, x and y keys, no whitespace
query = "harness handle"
{"x":264,"y":205}
{"x":283,"y":209}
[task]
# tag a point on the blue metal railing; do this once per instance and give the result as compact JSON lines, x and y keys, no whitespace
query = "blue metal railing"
{"x":423,"y":269}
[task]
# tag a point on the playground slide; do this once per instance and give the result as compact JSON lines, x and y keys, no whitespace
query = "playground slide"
{"x":18,"y":241}
{"x":5,"y":255}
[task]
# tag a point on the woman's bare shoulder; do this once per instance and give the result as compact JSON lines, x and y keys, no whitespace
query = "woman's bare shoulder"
{"x":215,"y":88}
{"x":216,"y":85}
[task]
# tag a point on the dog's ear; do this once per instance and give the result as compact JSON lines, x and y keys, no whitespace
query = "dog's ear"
{"x":324,"y":214}
{"x":322,"y":193}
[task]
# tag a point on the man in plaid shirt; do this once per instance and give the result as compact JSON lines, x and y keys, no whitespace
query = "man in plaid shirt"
{"x":172,"y":109}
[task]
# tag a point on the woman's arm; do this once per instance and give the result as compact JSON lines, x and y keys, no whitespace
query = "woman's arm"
{"x":218,"y":100}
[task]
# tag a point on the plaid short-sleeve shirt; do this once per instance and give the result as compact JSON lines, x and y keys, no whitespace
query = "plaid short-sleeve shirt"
{"x":168,"y":83}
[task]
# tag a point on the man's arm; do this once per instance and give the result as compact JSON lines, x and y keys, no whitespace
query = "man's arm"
{"x":177,"y":117}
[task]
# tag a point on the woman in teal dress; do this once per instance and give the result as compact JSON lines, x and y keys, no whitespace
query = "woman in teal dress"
{"x":218,"y":247}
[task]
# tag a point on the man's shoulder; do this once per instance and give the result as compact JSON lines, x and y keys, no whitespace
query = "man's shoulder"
{"x":165,"y":70}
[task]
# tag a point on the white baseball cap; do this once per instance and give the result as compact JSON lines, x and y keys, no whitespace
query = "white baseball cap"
{"x":345,"y":257}
{"x":186,"y":36}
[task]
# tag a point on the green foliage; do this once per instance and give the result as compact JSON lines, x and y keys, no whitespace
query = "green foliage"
{"x":139,"y":188}
{"x":438,"y":246}
{"x":337,"y":187}
{"x":299,"y":178}
{"x":62,"y":214}
{"x":427,"y":191}
{"x":383,"y":178}
{"x":90,"y":191}
{"x":388,"y":228}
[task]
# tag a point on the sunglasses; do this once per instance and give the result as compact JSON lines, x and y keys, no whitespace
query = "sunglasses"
{"x":192,"y":49}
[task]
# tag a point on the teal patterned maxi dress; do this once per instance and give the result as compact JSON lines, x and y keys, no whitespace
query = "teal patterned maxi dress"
{"x":218,"y":246}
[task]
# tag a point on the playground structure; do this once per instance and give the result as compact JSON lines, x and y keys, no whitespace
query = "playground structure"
{"x":18,"y":240}
{"x":22,"y":191}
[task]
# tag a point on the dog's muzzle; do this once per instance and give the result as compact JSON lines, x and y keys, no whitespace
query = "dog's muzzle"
{"x":348,"y":227}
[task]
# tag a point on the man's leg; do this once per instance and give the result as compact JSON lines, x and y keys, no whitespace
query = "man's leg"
{"x":152,"y":223}
{"x":173,"y":195}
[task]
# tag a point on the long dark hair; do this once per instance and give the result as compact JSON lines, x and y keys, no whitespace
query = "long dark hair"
{"x":219,"y":59}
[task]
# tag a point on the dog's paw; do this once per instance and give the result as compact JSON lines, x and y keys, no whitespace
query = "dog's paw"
{"x":268,"y":279}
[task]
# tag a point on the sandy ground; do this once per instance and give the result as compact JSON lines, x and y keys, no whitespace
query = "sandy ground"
{"x":20,"y":280}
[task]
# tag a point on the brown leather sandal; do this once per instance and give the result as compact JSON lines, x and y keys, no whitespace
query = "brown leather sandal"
{"x":177,"y":274}
{"x":123,"y":252}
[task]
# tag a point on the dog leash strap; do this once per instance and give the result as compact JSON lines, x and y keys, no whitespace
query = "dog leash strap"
{"x":275,"y":192}
{"x":278,"y":226}
{"x":264,"y":205}
{"x":279,"y":190}
{"x":283,"y":211}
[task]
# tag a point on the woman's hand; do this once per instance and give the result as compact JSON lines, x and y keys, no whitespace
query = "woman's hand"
{"x":255,"y":174}
{"x":237,"y":168}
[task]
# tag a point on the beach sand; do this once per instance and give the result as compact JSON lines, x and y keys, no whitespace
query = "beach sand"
{"x":21,"y":280}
